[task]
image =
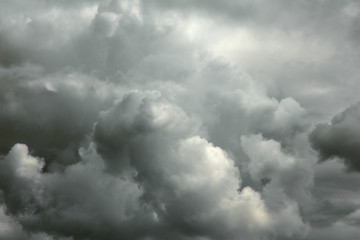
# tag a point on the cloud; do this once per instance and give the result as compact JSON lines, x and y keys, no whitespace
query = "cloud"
{"x":12,"y":230}
{"x":34,"y":197}
{"x":185,"y":119}
{"x":339,"y":229}
{"x":51,"y":113}
{"x":271,"y":167}
{"x":156,"y":175}
{"x":340,"y":137}
{"x":190,"y":183}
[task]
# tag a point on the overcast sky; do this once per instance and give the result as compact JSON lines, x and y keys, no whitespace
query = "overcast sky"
{"x":179,"y":119}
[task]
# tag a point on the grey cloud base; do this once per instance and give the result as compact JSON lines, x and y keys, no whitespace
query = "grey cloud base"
{"x":184,"y":120}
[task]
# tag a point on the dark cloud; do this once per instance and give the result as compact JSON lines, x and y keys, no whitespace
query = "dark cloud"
{"x":340,"y":138}
{"x":52,"y":114}
{"x":89,"y":208}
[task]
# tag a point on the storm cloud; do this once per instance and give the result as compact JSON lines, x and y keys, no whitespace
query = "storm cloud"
{"x":184,"y":120}
{"x":340,"y":138}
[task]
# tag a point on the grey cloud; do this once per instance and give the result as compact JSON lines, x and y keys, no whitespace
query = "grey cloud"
{"x":90,"y":208}
{"x":109,"y":38}
{"x":178,"y":119}
{"x":269,"y":162}
{"x":175,"y":168}
{"x":278,"y":13}
{"x":336,"y":231}
{"x":48,"y":112}
{"x":172,"y":182}
{"x":336,"y":191}
{"x":325,"y":29}
{"x":11,"y":230}
{"x":340,"y":137}
{"x":241,"y":108}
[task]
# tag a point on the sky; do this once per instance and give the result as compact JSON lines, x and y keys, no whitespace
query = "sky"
{"x":182,"y":120}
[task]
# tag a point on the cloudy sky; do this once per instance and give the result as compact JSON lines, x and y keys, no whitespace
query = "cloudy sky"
{"x":179,"y":119}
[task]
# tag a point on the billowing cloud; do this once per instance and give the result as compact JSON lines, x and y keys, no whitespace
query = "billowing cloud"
{"x":182,"y":120}
{"x":155,"y":176}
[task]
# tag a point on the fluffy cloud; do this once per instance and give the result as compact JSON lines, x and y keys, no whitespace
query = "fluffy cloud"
{"x":272,"y":168}
{"x":189,"y":182}
{"x":82,"y":209}
{"x":158,"y":176}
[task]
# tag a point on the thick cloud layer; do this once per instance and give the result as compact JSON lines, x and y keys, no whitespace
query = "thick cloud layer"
{"x":185,"y":120}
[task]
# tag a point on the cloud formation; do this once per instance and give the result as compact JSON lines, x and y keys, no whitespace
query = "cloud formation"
{"x":160,"y":178}
{"x":185,"y":120}
{"x":340,"y":138}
